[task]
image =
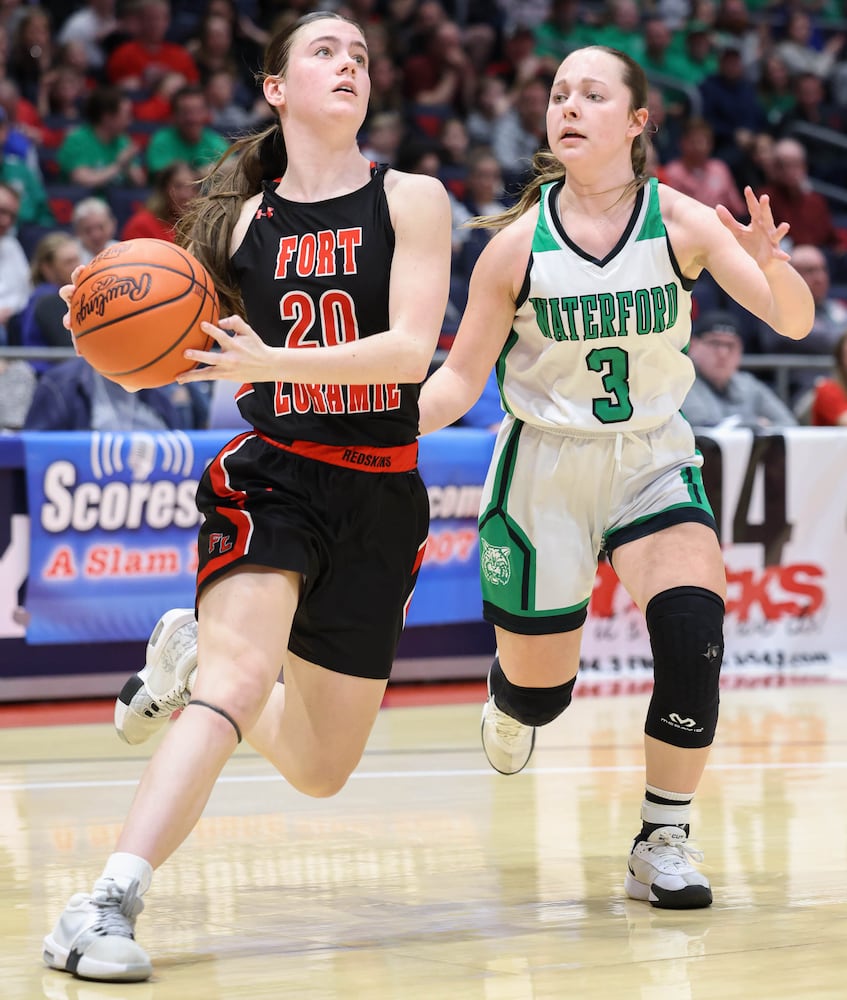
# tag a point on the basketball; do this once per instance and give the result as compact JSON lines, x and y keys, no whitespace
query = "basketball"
{"x":137,"y":306}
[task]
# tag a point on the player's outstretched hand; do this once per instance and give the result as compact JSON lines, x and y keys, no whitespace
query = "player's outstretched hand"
{"x":243,"y":355}
{"x":65,"y":293}
{"x":761,"y":237}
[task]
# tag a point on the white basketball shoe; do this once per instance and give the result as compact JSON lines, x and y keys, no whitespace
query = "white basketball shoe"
{"x":660,"y":871}
{"x":150,"y":697}
{"x":94,"y":937}
{"x":508,"y":744}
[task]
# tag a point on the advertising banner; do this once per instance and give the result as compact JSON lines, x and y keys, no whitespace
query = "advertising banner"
{"x":113,"y":529}
{"x":113,"y":543}
{"x":780,"y":500}
{"x":114,"y":526}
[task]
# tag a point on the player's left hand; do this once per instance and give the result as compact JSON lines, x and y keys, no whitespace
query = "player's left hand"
{"x":761,"y":237}
{"x":243,"y":355}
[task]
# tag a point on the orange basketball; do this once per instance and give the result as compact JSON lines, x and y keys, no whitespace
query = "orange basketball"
{"x":137,"y":306}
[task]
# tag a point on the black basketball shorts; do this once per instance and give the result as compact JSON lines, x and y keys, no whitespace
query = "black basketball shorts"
{"x":357,"y":537}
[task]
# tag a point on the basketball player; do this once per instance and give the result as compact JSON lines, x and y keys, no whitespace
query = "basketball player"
{"x":315,"y":521}
{"x":583,"y":301}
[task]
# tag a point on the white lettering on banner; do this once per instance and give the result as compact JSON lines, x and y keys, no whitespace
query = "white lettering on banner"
{"x":454,"y":501}
{"x":114,"y":505}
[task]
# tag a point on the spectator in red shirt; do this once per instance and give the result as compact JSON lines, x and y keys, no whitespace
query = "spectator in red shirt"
{"x":793,"y":200}
{"x":700,"y":175}
{"x":829,"y":405}
{"x":140,"y":63}
{"x":173,"y":189}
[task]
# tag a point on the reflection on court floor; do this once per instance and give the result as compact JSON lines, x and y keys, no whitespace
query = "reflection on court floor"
{"x":430,"y":876}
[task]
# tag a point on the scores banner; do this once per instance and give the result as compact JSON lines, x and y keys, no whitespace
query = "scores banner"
{"x":113,"y":527}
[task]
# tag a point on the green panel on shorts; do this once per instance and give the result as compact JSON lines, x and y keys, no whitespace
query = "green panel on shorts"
{"x":507,"y":557}
{"x":697,"y":498}
{"x":693,"y":478}
{"x":507,"y":564}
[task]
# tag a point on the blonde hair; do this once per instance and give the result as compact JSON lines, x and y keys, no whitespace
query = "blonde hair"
{"x":45,"y":253}
{"x":547,"y":168}
{"x":207,"y":225}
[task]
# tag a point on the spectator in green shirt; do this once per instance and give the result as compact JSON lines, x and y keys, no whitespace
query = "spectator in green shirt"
{"x":560,"y":32}
{"x":189,"y":138}
{"x":621,"y":28}
{"x":696,"y":56}
{"x":101,"y":152}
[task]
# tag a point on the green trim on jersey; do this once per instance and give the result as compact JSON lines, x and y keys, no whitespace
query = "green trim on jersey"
{"x":653,"y":228}
{"x":500,"y":367}
{"x":600,"y":340}
{"x":542,"y":238}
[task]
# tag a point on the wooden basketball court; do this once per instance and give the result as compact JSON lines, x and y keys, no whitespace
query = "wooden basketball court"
{"x":430,"y":876}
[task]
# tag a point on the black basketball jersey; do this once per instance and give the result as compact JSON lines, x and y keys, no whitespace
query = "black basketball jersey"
{"x":317,"y":274}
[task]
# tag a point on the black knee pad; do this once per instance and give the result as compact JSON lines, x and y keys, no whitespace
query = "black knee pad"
{"x":530,"y":706}
{"x":686,"y":635}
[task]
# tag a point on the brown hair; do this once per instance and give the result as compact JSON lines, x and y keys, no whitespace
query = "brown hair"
{"x":548,"y":168}
{"x":208,"y":223}
{"x":159,"y":202}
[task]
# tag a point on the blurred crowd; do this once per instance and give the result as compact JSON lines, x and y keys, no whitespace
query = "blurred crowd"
{"x":111,"y":112}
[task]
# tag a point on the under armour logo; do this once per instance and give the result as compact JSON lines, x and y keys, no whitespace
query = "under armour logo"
{"x":712,"y":652}
{"x":685,"y":723}
{"x":265,"y":213}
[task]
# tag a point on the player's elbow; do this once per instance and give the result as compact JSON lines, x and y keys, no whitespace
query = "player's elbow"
{"x":416,"y":359}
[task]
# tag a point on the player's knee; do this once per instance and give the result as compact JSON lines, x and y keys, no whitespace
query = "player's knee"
{"x":318,"y":782}
{"x":529,"y":705}
{"x":686,"y":635}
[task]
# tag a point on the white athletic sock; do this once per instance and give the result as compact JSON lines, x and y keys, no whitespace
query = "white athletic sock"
{"x":123,"y":868}
{"x":673,"y":809}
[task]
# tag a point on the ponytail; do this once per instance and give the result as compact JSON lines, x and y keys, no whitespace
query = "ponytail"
{"x":206,"y":227}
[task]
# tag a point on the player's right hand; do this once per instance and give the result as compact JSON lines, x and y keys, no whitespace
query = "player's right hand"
{"x":66,"y":292}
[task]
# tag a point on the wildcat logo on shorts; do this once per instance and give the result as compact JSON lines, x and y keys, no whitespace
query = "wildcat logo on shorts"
{"x":494,"y":560}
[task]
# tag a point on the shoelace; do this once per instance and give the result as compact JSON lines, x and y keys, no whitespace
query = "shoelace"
{"x":171,"y":702}
{"x":507,"y":729}
{"x":675,"y":852}
{"x":118,"y":908}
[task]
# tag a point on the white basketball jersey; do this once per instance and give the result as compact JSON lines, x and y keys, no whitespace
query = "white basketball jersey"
{"x":599,"y":345}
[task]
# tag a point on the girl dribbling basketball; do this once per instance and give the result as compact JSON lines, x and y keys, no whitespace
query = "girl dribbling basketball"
{"x":315,"y":521}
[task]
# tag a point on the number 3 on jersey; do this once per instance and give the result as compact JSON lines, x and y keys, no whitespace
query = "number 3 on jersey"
{"x":612,"y":364}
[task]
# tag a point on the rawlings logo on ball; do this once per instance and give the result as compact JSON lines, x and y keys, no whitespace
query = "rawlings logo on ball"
{"x":108,"y":288}
{"x":138,"y":307}
{"x":114,"y":251}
